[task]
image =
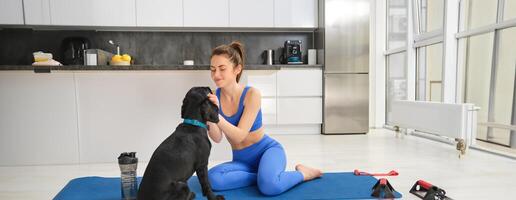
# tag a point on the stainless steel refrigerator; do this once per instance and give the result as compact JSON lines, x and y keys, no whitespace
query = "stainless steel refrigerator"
{"x":343,"y":41}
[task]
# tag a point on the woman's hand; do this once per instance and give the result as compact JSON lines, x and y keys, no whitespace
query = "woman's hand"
{"x":213,"y":98}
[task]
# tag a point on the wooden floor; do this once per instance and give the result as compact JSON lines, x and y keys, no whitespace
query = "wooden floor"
{"x":478,"y":175}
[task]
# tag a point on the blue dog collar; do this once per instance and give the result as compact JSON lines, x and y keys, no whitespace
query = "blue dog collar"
{"x":195,"y":123}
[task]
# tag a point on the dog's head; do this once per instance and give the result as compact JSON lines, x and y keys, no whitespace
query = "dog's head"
{"x":196,"y":105}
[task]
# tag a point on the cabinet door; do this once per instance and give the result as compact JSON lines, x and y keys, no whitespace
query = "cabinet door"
{"x":268,"y":106}
{"x":265,"y":81}
{"x":11,"y":12}
{"x":295,"y":13}
{"x":38,"y":119}
{"x":251,"y":13}
{"x":37,"y":12}
{"x":296,"y":110}
{"x":93,"y":12}
{"x":130,"y":111}
{"x":163,"y":13}
{"x":206,"y":13}
{"x":300,"y":82}
{"x":71,"y":12}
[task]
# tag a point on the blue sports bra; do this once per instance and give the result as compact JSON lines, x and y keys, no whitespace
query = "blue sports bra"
{"x":234,"y":119}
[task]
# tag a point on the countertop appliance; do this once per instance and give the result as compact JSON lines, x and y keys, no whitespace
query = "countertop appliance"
{"x":96,"y":57}
{"x":268,"y":57}
{"x":72,"y":50}
{"x":344,"y":41}
{"x":292,"y":52}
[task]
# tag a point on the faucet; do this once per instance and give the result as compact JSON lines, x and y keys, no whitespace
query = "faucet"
{"x":117,"y":47}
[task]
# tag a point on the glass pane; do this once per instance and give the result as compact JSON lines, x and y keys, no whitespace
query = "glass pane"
{"x":397,"y":24}
{"x":396,"y":80}
{"x":500,"y":136}
{"x":504,"y":84}
{"x":510,"y":9}
{"x":480,"y":13}
{"x":479,"y":50}
{"x":431,"y":15}
{"x":429,"y":73}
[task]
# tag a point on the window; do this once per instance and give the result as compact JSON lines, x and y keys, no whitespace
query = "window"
{"x":429,"y":49}
{"x":479,"y":52}
{"x":503,"y":97}
{"x":510,"y":9}
{"x":431,"y":15}
{"x":396,"y":24}
{"x":480,"y":13}
{"x":396,"y":59}
{"x":490,"y":65}
{"x":429,"y":73}
{"x":396,"y":80}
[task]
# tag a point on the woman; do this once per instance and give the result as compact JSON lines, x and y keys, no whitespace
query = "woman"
{"x":257,"y":158}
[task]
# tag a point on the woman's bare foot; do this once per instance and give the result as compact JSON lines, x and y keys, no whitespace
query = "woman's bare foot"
{"x":308,"y":172}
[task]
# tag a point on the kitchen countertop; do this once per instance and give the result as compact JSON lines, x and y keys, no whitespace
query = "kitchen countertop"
{"x":148,"y":67}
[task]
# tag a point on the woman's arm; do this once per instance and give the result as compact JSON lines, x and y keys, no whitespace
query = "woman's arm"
{"x":214,"y":132}
{"x":252,"y":105}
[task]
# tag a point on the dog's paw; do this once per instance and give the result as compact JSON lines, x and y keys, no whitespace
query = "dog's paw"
{"x":191,"y":196}
{"x":217,"y":197}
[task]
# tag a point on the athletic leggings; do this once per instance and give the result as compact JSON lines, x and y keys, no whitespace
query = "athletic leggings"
{"x":263,"y":163}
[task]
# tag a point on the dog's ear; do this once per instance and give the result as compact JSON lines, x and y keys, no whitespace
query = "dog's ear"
{"x":209,"y":111}
{"x":183,"y":107}
{"x":208,"y":89}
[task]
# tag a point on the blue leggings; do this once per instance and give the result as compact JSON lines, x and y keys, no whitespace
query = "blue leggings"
{"x":263,"y":162}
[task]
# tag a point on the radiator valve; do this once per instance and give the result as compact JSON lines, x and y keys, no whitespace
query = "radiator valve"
{"x":461,"y":146}
{"x":398,"y":131}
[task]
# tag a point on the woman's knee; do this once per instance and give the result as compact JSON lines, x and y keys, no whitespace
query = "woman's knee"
{"x":216,"y":179}
{"x":270,"y":186}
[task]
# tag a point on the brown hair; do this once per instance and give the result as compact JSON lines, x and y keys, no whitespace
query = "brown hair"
{"x":234,"y":52}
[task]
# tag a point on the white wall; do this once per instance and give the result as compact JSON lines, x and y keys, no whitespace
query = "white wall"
{"x":377,"y":65}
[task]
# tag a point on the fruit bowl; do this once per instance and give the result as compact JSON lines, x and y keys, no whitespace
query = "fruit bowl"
{"x":124,"y":60}
{"x":120,"y":63}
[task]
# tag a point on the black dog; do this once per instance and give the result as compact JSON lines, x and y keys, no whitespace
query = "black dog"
{"x":184,"y":152}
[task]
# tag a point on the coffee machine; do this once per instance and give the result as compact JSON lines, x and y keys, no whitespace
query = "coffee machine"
{"x":72,"y":50}
{"x":292,"y":52}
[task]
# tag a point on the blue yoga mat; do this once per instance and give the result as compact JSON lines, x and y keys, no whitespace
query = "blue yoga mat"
{"x":330,"y":186}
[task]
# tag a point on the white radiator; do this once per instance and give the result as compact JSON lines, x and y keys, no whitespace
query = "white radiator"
{"x":453,"y":121}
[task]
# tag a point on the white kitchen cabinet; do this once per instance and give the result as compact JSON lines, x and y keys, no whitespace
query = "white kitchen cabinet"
{"x":299,"y":97}
{"x":130,"y":111}
{"x":159,"y":13}
{"x":38,"y":118}
{"x":37,"y":12}
{"x":299,"y":82}
{"x":162,"y":13}
{"x":295,"y":13}
{"x":289,"y":96}
{"x":251,"y":13}
{"x":11,"y":12}
{"x":93,"y":12}
{"x":263,"y":80}
{"x":269,"y":110}
{"x":206,"y":13}
{"x":299,"y":110}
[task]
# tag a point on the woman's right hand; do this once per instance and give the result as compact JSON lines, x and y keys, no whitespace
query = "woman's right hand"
{"x":213,"y":98}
